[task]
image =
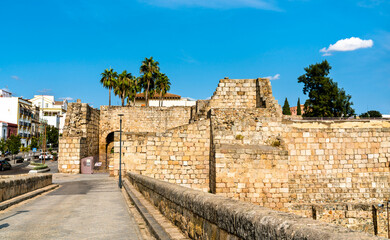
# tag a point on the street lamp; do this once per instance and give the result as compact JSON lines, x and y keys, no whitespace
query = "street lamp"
{"x":120,"y":150}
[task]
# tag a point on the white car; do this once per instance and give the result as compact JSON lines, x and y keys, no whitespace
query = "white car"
{"x":46,"y":156}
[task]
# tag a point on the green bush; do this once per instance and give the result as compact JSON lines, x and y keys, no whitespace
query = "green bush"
{"x":35,"y":164}
{"x":42,"y":166}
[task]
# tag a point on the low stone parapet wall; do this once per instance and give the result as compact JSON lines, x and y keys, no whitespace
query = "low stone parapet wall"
{"x":13,"y":186}
{"x":203,"y":215}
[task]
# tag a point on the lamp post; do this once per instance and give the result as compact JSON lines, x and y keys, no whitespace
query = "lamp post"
{"x":120,"y":150}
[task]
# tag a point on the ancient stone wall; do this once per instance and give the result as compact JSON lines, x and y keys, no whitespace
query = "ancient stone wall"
{"x":253,"y":173}
{"x":343,"y":162}
{"x":179,"y":155}
{"x":202,"y":215}
{"x":80,"y":137}
{"x":245,"y":93}
{"x":138,"y":119}
{"x":13,"y":186}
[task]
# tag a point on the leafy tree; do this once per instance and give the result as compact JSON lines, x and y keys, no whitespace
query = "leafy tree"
{"x":122,"y":85}
{"x":108,"y":79}
{"x":286,"y":108}
{"x":163,"y":85}
{"x":13,"y":144}
{"x":3,"y":146}
{"x":372,"y":114}
{"x":149,"y":69}
{"x":52,"y":135}
{"x":34,"y":142}
{"x":325,"y":98}
{"x":299,"y":110}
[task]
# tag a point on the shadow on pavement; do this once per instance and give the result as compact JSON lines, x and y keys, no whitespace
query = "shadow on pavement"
{"x":18,"y":212}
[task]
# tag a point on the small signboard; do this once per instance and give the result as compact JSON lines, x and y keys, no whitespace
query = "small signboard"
{"x":34,"y":149}
{"x":98,"y":164}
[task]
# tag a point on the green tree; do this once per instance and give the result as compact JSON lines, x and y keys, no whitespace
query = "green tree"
{"x":299,"y":110}
{"x":34,"y":142}
{"x":108,"y":80}
{"x":122,"y":85}
{"x":371,"y":114}
{"x":149,"y":69}
{"x":286,"y":108}
{"x":13,"y":144}
{"x":52,"y":135}
{"x":325,"y":98}
{"x":3,"y":146}
{"x":163,"y":85}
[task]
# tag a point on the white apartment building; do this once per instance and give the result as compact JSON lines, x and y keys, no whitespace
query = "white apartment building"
{"x":53,"y":112}
{"x":18,"y":111}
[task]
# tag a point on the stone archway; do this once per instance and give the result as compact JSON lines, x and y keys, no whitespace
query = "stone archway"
{"x":109,"y":155}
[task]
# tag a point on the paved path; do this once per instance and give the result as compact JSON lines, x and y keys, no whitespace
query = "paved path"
{"x":84,"y":207}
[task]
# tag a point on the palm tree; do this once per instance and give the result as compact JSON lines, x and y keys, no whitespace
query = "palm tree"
{"x":149,"y":68}
{"x":108,"y":78}
{"x":162,"y":86}
{"x":122,"y":85}
{"x":134,"y":88}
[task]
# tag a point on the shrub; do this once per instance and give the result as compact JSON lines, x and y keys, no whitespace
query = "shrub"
{"x":239,"y":137}
{"x":42,"y":166}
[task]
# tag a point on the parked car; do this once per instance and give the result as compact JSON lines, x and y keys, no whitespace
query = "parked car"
{"x":46,"y":156}
{"x":4,"y":165}
{"x":19,"y":159}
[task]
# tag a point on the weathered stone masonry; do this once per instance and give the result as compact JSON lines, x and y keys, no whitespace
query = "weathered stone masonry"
{"x":238,"y":145}
{"x":80,"y":137}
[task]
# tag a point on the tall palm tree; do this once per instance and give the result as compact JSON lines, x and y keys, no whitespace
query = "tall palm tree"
{"x":134,"y":88}
{"x":149,"y":69}
{"x":108,"y":79}
{"x":163,"y":85}
{"x":122,"y":85}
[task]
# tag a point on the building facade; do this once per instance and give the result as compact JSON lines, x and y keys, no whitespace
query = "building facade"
{"x":168,"y":100}
{"x":53,"y":112}
{"x":17,"y":111}
{"x":3,"y":130}
{"x":294,"y":110}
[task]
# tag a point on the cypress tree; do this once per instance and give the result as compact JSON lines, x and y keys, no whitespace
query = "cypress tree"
{"x":286,"y":108}
{"x":299,"y":111}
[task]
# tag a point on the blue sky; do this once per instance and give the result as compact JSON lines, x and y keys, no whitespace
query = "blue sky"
{"x":60,"y":47}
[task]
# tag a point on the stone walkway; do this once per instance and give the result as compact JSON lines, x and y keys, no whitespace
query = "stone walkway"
{"x":84,"y":207}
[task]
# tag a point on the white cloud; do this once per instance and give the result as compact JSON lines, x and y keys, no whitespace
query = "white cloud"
{"x":348,"y":44}
{"x":15,"y":77}
{"x":369,"y":3}
{"x":259,"y":4}
{"x":277,"y":76}
{"x":67,"y":98}
{"x":45,"y":90}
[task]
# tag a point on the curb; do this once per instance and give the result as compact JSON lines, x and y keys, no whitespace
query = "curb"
{"x":40,"y":170}
{"x":10,"y":202}
{"x":155,"y":228}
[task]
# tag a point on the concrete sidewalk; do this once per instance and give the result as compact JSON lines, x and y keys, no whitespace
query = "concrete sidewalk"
{"x":84,"y":207}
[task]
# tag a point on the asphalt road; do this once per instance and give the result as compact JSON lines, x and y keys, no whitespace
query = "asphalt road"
{"x":84,"y":207}
{"x":21,"y":168}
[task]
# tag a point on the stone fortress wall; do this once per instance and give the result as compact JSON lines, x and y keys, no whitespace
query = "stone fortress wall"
{"x":79,"y":138}
{"x":135,"y":119}
{"x":238,"y":145}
